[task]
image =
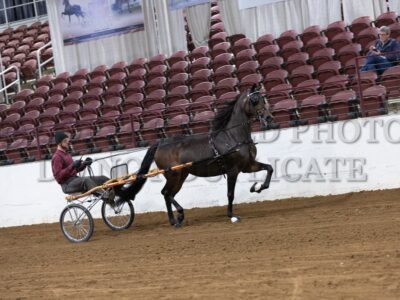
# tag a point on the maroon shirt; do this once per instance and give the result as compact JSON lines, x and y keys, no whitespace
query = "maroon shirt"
{"x":63,"y":169}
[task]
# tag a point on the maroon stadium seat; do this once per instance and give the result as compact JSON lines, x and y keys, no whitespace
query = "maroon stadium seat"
{"x":313,"y":110}
{"x":138,"y":74}
{"x":156,"y":60}
{"x":301,"y":74}
{"x":224,"y":86}
{"x":322,"y":56}
{"x":296,"y":60}
{"x":284,"y":113}
{"x":341,"y":39}
{"x":178,"y":125}
{"x":279,"y":92}
{"x":262,"y":41}
{"x":305,"y":89}
{"x":223,"y":72}
{"x":137,"y":63}
{"x":274,"y":78}
{"x":391,"y":80}
{"x":178,"y":67}
{"x":334,"y":84}
{"x":156,"y":71}
{"x":327,"y":70}
{"x":360,"y":23}
{"x":200,"y":63}
{"x":375,"y":101}
{"x":286,"y":37}
{"x":248,"y":81}
{"x":242,"y":44}
{"x":177,"y":56}
{"x":220,"y":48}
{"x":201,"y":122}
{"x":271,"y":64}
{"x":267,"y":52}
{"x":247,"y":68}
{"x":203,"y":75}
{"x":316,"y":44}
{"x":342,"y":105}
{"x":177,"y":93}
{"x":199,"y":52}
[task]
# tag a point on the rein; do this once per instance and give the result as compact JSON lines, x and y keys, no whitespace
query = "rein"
{"x":169,"y":143}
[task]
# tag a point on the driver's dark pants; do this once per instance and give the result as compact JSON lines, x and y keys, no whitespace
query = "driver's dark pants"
{"x":78,"y":184}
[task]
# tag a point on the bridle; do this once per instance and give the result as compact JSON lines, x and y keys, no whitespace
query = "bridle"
{"x":260,"y":111}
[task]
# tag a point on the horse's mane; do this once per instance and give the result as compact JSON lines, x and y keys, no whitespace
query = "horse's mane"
{"x":224,"y":115}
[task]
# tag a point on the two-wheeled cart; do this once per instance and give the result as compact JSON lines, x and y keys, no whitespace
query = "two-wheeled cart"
{"x":76,"y":221}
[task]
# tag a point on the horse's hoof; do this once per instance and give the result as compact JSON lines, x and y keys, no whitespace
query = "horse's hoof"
{"x":256,"y":188}
{"x":180,"y":219}
{"x":235,"y":219}
{"x":178,"y":225}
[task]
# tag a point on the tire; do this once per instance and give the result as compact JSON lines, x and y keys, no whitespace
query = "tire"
{"x":120,"y":217}
{"x":76,"y":223}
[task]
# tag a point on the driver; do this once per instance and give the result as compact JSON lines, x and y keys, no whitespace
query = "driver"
{"x":65,"y":171}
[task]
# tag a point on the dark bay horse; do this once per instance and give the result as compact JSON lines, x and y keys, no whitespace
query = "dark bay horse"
{"x":70,"y":10}
{"x":227,"y":149}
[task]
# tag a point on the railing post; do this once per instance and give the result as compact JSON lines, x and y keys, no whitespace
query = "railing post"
{"x":40,"y":64}
{"x":133,"y":131}
{"x":361,"y":97}
{"x":38,"y":144}
{"x":4,"y":88}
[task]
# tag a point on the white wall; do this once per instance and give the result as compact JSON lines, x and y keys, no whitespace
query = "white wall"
{"x":29,"y":195}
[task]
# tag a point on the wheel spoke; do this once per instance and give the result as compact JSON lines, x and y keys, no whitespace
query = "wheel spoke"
{"x":76,"y":223}
{"x":120,"y":217}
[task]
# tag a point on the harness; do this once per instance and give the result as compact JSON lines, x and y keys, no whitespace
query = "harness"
{"x":218,"y":156}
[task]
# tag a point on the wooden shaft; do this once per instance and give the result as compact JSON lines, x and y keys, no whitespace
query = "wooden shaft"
{"x":126,"y":179}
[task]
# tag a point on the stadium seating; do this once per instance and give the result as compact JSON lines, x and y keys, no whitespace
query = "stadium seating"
{"x":307,"y":78}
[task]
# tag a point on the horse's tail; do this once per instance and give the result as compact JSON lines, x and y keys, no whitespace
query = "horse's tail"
{"x":137,"y":185}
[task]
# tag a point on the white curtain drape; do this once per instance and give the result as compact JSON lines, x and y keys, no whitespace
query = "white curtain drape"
{"x":171,"y":35}
{"x":56,"y":37}
{"x":320,"y":12}
{"x":353,"y":9}
{"x":230,"y":16}
{"x":276,"y":18}
{"x":394,"y":5}
{"x":198,"y":18}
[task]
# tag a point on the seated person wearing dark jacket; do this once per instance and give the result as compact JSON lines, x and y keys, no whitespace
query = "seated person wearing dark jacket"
{"x":65,"y":171}
{"x":382,"y":55}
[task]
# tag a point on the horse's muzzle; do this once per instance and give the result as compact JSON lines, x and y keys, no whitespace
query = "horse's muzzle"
{"x":269,"y":118}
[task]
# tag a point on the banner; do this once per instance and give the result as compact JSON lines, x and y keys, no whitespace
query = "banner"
{"x":243,"y":4}
{"x":90,"y":19}
{"x":178,"y":4}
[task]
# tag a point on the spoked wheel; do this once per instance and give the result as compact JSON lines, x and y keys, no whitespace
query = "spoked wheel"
{"x":120,"y":216}
{"x":76,"y":223}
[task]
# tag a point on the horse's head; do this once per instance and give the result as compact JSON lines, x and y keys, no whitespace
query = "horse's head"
{"x":256,"y":105}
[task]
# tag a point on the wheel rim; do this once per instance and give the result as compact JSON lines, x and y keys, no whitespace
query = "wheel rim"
{"x":76,"y":224}
{"x":118,"y":216}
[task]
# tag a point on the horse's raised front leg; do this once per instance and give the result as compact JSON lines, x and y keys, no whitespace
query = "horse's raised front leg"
{"x":256,"y":167}
{"x":231,"y":195}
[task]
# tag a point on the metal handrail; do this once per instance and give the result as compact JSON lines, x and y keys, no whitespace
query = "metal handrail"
{"x":3,"y":79}
{"x":41,"y":64}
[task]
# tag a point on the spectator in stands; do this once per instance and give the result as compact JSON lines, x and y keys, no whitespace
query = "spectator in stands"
{"x":382,"y":55}
{"x":65,"y":171}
